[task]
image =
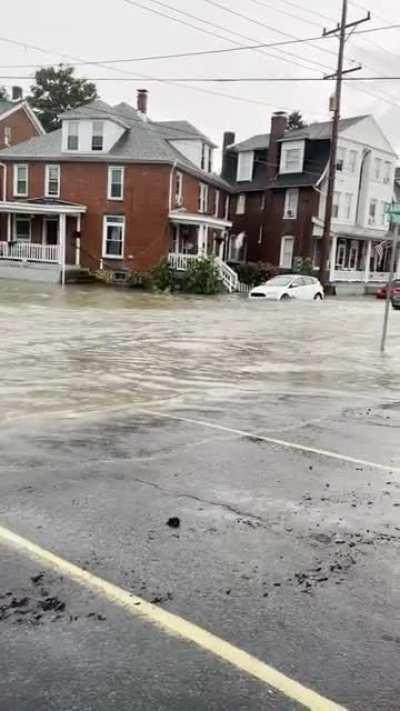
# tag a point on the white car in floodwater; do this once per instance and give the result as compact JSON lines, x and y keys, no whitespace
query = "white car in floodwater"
{"x":289,"y":286}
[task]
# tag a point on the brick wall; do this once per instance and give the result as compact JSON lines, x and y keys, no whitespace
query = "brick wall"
{"x":21,"y":126}
{"x":275,"y":227}
{"x":250,"y":223}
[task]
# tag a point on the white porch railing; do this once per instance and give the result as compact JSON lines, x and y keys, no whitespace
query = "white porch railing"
{"x":349,"y":275}
{"x":180,"y":262}
{"x":228,"y":276}
{"x":30,"y":252}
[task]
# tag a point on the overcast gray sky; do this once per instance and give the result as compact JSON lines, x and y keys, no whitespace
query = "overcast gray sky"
{"x":114,"y":29}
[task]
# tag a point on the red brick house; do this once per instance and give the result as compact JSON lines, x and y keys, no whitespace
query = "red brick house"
{"x":111,"y":189}
{"x":17,"y":122}
{"x":280,"y":181}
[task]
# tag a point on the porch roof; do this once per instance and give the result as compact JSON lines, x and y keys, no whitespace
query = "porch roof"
{"x":189,"y":218}
{"x":42,"y":206}
{"x":352,"y":231}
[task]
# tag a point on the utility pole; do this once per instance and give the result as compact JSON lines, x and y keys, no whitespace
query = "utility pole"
{"x":341,"y":29}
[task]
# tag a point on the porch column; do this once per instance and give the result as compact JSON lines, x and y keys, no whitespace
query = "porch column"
{"x":368,"y":261}
{"x":332,"y":259}
{"x":9,"y":224}
{"x":62,"y":221}
{"x":201,"y":239}
{"x":78,"y":242}
{"x":177,"y":238}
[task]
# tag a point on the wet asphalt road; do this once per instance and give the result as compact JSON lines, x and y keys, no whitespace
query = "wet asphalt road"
{"x":292,"y":556}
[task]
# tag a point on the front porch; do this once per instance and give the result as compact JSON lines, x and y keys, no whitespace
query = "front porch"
{"x":39,"y":239}
{"x":194,"y":236}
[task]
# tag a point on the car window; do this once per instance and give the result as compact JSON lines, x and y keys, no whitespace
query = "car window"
{"x":300,"y":281}
{"x":280,"y":281}
{"x":310,"y":281}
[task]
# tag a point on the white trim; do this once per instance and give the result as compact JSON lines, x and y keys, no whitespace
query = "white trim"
{"x":240,"y":207}
{"x":21,"y":218}
{"x":41,"y":208}
{"x":288,"y":212}
{"x":281,"y":256}
{"x":187,"y":218}
{"x":15,"y":180}
{"x":47,"y":180}
{"x":203,"y":198}
{"x":178,"y":194}
{"x":109,"y":182}
{"x":29,"y":112}
{"x":107,"y":220}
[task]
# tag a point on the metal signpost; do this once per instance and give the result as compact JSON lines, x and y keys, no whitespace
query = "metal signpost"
{"x":393,"y":211}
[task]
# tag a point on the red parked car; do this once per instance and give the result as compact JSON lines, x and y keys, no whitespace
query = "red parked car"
{"x":381,"y":293}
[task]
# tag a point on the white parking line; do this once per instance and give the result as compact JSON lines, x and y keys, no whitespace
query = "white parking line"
{"x":271,"y":440}
{"x":172,"y":624}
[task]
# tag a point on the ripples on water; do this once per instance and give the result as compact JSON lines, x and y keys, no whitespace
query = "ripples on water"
{"x":90,"y":347}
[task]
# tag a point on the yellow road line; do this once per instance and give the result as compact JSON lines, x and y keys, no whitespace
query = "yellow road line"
{"x":271,"y":440}
{"x":172,"y":624}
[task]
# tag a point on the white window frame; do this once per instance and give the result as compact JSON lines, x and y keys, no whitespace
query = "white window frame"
{"x":336,"y":205}
{"x":47,"y":181}
{"x":297,"y":165}
{"x":112,"y":168}
{"x":22,"y":218}
{"x":383,"y":214}
{"x":341,"y":251}
{"x":245,"y":166}
{"x":290,"y":212}
{"x":285,"y":239}
{"x":73,"y":124}
{"x":241,"y":204}
{"x":348,"y":204}
{"x":7,"y":136}
{"x":108,"y":221}
{"x":178,"y":197}
{"x":378,"y":169}
{"x":17,"y":166}
{"x":372,"y":218}
{"x":387,"y":172}
{"x":203,"y":198}
{"x":217,"y":197}
{"x":352,"y":157}
{"x":96,"y":134}
{"x":341,"y":159}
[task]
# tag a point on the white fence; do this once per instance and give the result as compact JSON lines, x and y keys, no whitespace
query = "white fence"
{"x":349,"y":276}
{"x":181,"y":261}
{"x":228,"y":276}
{"x":30,"y":252}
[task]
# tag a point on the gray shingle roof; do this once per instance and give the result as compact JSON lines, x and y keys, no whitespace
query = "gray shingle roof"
{"x":142,"y":141}
{"x":321,"y":131}
{"x":255,"y":143}
{"x":5,"y":105}
{"x":179,"y":130}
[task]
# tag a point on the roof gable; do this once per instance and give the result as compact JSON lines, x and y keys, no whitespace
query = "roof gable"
{"x":369,"y":133}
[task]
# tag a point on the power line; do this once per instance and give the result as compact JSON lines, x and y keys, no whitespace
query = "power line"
{"x":224,"y":80}
{"x":134,"y":3}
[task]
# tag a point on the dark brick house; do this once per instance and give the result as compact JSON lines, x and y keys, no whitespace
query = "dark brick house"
{"x":17,"y":122}
{"x":279,"y":182}
{"x":111,"y":189}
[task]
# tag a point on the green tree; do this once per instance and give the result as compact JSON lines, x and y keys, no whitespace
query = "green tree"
{"x":56,"y":90}
{"x":296,"y":121}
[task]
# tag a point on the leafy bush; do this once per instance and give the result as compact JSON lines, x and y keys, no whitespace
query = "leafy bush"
{"x":201,"y":277}
{"x":306,"y":266}
{"x":163,"y":277}
{"x":254,"y":273}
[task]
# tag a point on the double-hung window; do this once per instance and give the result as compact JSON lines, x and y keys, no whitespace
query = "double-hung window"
{"x":203,"y":197}
{"x":178,"y":189}
{"x":217,"y":196}
{"x":97,"y":135}
{"x":352,"y":161}
{"x":20,"y":180}
{"x":291,"y":204}
{"x":245,"y":166}
{"x":373,"y":208}
{"x":340,"y":159}
{"x":387,"y":172}
{"x":52,"y":181}
{"x":73,"y":136}
{"x":336,"y":205}
{"x":241,"y":204}
{"x":115,"y":183}
{"x":378,"y":169}
{"x":7,"y":135}
{"x":348,"y":199}
{"x":113,"y":236}
{"x":22,"y":228}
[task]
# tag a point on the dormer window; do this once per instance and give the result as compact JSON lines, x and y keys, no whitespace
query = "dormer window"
{"x":73,"y":136}
{"x":292,"y":157}
{"x":98,"y":135}
{"x":245,"y":166}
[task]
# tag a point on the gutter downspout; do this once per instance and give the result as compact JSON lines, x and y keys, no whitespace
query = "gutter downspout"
{"x":4,"y":193}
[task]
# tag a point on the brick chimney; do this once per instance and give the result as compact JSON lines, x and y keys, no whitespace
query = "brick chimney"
{"x":16,"y":93}
{"x":278,"y":127}
{"x":142,"y":101}
{"x":227,"y":159}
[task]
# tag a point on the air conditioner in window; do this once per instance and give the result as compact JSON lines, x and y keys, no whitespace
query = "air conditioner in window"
{"x":290,"y":214}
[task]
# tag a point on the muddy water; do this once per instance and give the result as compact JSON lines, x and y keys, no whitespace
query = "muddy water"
{"x":91,"y":347}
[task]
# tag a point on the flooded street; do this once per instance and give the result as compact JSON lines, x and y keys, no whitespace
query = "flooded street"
{"x":172,"y":467}
{"x":91,"y":348}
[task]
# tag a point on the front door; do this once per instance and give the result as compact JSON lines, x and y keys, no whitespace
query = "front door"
{"x":50,"y":236}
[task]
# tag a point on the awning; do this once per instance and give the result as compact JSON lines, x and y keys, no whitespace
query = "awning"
{"x":189,"y":218}
{"x":42,"y":207}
